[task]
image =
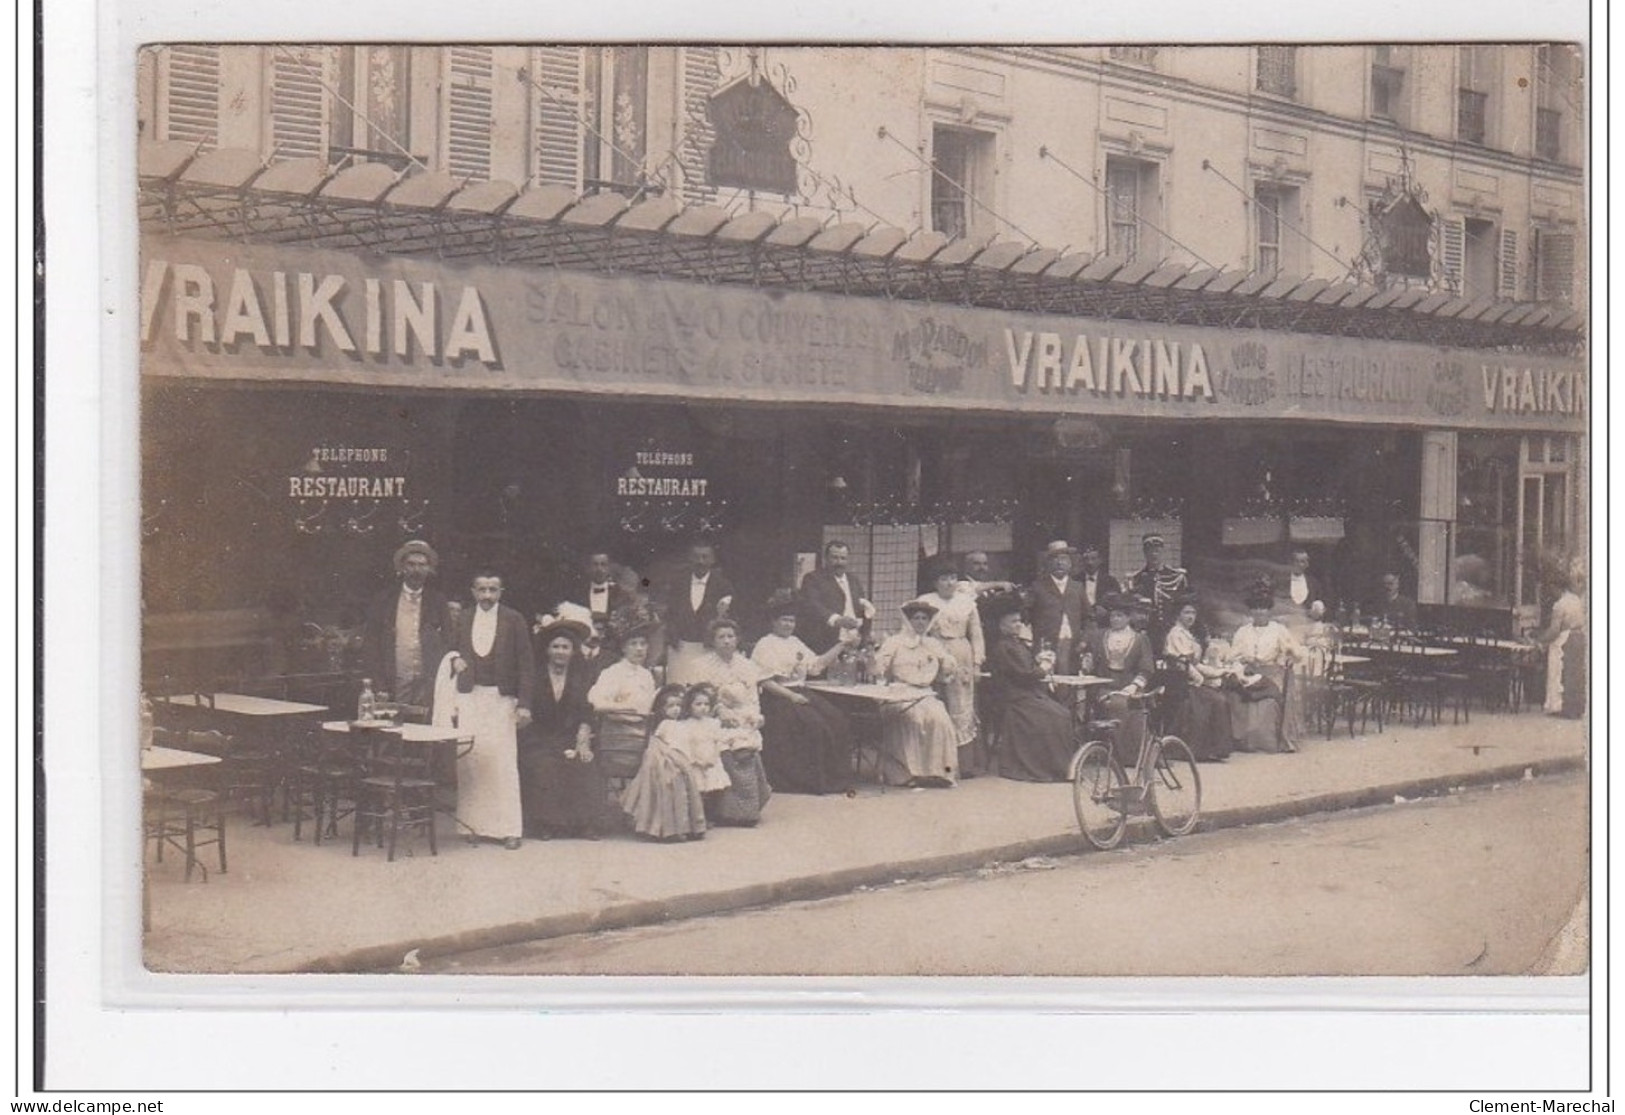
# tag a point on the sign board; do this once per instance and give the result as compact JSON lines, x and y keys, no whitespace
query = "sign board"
{"x":754,"y":125}
{"x":218,"y":310}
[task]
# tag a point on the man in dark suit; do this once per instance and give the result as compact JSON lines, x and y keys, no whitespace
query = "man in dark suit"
{"x":1098,"y":585}
{"x":496,"y":676}
{"x":1160,"y":585}
{"x":1302,"y":587}
{"x":408,"y":630}
{"x":1058,"y":606}
{"x":600,"y":594}
{"x":833,"y":600}
{"x":692,"y":602}
{"x":1398,"y":612}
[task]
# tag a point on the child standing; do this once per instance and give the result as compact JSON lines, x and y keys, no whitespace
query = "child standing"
{"x":663,"y":798}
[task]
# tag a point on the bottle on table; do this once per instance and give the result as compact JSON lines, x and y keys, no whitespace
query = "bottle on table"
{"x":366,"y":706}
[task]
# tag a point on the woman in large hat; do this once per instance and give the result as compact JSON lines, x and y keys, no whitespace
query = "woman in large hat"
{"x":1121,"y":653}
{"x":919,"y":745}
{"x":623,"y":694}
{"x":1263,"y":707}
{"x":958,"y":627}
{"x":1197,"y":711}
{"x":738,"y":682}
{"x":564,"y":790}
{"x":1035,"y":730}
{"x":806,"y":740}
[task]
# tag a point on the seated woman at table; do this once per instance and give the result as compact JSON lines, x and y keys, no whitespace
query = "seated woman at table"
{"x":622,"y":698}
{"x":1035,"y":730}
{"x":1196,"y":709}
{"x":738,"y":682}
{"x":1122,"y":654}
{"x":1263,"y":708}
{"x":919,"y":745}
{"x":958,"y":626}
{"x":665,"y":800}
{"x":563,"y":791}
{"x":806,"y":740}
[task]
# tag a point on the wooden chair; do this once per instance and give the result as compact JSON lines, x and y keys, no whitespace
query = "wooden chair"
{"x":186,"y":814}
{"x":396,"y":792}
{"x":1347,"y":697}
{"x":320,"y":785}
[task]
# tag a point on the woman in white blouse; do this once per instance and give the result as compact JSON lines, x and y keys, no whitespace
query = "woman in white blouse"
{"x":622,"y":698}
{"x":806,"y":740}
{"x":1263,"y":712}
{"x":959,"y":628}
{"x":918,"y":743}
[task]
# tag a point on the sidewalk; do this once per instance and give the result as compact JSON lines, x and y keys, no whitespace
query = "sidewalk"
{"x":293,"y":907}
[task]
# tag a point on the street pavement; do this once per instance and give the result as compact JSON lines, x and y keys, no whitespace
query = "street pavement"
{"x":293,"y":907}
{"x":1476,"y":883}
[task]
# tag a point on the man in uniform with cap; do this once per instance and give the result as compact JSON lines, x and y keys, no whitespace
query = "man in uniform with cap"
{"x":1160,"y":585}
{"x":1058,"y":606}
{"x":408,"y":629}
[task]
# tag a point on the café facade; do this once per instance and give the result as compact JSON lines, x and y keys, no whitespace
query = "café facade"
{"x":331,"y":364}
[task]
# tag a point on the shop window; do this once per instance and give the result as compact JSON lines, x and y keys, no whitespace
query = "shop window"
{"x":467,"y":112}
{"x":961,"y":180}
{"x":1484,"y":569}
{"x":1553,"y":266}
{"x":1278,"y":70}
{"x":1475,"y":71}
{"x":1131,"y":199}
{"x":1275,"y":216}
{"x":1388,"y":86}
{"x":375,"y":125}
{"x":189,"y":86}
{"x":617,"y":110}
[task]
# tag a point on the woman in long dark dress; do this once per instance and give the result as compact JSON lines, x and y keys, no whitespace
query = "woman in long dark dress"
{"x":806,"y":740}
{"x":1196,"y":709}
{"x":564,"y":792}
{"x":1035,"y":730}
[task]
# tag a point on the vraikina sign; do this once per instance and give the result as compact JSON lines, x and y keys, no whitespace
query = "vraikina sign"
{"x":224,"y":311}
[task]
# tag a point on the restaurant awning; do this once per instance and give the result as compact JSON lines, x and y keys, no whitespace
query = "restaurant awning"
{"x":232,"y":194}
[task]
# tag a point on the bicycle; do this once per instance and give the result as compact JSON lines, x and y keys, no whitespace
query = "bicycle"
{"x":1166,"y":783}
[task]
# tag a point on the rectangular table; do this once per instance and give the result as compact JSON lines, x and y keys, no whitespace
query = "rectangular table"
{"x":444,"y":746}
{"x":243,"y":704}
{"x":173,"y":758}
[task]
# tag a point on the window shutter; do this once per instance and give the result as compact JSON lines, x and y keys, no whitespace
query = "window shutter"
{"x":468,"y":101}
{"x":191,"y":85}
{"x":1506,"y":280}
{"x":299,"y":102}
{"x":1554,"y":264}
{"x":1452,"y":249}
{"x":700,"y":75}
{"x":556,"y":137}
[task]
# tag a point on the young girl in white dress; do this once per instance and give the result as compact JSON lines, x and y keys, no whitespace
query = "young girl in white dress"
{"x":663,"y":798}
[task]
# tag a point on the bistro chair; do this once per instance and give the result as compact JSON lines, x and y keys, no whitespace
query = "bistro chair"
{"x":186,"y":816}
{"x":1346,"y":697}
{"x":248,"y":773}
{"x":396,"y":791}
{"x":321,"y":785}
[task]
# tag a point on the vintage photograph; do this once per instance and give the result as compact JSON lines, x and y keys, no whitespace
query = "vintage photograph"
{"x":729,"y":510}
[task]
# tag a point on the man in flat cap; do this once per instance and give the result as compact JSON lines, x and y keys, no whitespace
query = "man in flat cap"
{"x":1058,"y":605}
{"x":408,"y":630}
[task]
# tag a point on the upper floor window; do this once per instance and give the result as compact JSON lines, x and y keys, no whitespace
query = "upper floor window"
{"x":1555,"y":99}
{"x":961,"y":175}
{"x":1275,"y":208}
{"x":1135,"y":55}
{"x":374,"y":125}
{"x":1474,"y":83}
{"x":1278,"y":70}
{"x":1388,"y":69}
{"x":1131,"y":199}
{"x":616,"y":140}
{"x":469,"y":80}
{"x":1552,"y":268}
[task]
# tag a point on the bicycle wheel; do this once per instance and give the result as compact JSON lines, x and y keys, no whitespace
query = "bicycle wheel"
{"x":1097,"y":795}
{"x":1176,"y":787}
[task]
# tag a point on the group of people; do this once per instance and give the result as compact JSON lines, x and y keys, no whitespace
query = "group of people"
{"x":624,"y":707}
